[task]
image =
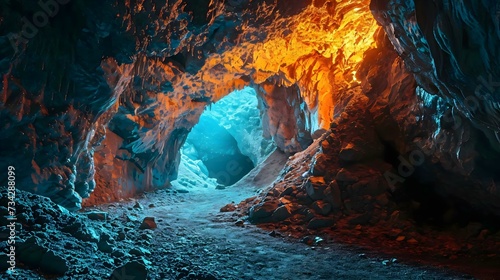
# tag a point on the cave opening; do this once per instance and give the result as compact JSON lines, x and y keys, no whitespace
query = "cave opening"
{"x":225,"y":144}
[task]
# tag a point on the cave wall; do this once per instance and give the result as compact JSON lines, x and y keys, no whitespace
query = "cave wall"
{"x":107,"y":91}
{"x":451,"y":48}
{"x":402,"y":147}
{"x":100,"y":97}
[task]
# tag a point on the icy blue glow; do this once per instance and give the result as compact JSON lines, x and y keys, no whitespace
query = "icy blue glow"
{"x":228,"y":136}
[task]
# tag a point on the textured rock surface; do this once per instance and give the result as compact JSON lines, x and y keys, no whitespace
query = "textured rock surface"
{"x":452,"y":50}
{"x":117,"y":97}
{"x":110,"y":106}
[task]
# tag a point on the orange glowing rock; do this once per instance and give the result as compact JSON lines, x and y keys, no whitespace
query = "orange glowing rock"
{"x":319,"y":50}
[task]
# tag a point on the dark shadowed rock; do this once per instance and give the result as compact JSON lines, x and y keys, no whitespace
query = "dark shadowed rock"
{"x":262,"y":210}
{"x":31,"y":252}
{"x":97,"y":215}
{"x":351,"y":153}
{"x":316,"y":187}
{"x":281,"y":213}
{"x":322,"y":207}
{"x":317,"y":223}
{"x":148,"y":223}
{"x":53,"y":264}
{"x":131,"y":270}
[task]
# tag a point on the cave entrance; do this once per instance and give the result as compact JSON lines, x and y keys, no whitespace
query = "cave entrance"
{"x":226,"y":144}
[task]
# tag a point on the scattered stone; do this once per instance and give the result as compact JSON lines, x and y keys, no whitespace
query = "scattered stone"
{"x":131,"y":217}
{"x":316,"y":187}
{"x":334,"y":197}
{"x":81,"y":231}
{"x":137,"y":205}
{"x":131,"y":270}
{"x":182,"y":190}
{"x":262,"y":210}
{"x":322,"y":207}
{"x":117,"y":254}
{"x":121,"y":235}
{"x":148,"y":223}
{"x":220,"y":187}
{"x":151,"y":205}
{"x":400,"y":238}
{"x":97,"y":215}
{"x":288,"y":191}
{"x":228,"y":208}
{"x":239,"y":223}
{"x":53,"y":264}
{"x":320,"y":165}
{"x":139,"y":251}
{"x":281,"y":213}
{"x":274,"y":234}
{"x":389,"y":262}
{"x":146,"y":236}
{"x":317,"y":223}
{"x":312,"y":240}
{"x":104,"y":246}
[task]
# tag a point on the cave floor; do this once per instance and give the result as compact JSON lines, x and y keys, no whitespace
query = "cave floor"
{"x":192,"y":229}
{"x":193,"y":239}
{"x":193,"y":236}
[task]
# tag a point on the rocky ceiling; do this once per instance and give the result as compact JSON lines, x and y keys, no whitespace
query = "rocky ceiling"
{"x":98,"y":96}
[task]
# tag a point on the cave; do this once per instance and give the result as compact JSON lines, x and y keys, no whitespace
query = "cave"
{"x":226,"y":143}
{"x":249,"y":139}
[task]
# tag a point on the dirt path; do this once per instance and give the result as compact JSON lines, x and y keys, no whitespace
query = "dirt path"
{"x":192,"y":240}
{"x":192,"y":233}
{"x":192,"y":230}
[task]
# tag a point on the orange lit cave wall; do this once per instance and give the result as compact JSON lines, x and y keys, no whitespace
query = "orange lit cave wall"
{"x":303,"y":67}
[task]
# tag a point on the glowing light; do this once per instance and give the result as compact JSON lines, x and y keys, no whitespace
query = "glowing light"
{"x":317,"y":50}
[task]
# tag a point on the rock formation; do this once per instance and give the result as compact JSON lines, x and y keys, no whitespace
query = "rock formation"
{"x":98,"y":98}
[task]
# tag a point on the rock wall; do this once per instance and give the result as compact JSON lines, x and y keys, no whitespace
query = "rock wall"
{"x":452,"y":50}
{"x":98,"y":99}
{"x":401,"y":150}
{"x":107,"y":91}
